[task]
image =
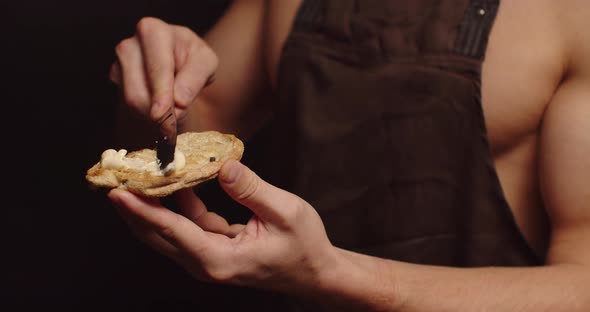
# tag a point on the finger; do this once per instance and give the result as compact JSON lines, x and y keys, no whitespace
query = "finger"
{"x":195,"y":63}
{"x":133,"y":75}
{"x":147,"y":235}
{"x":174,"y":228}
{"x":193,"y":208}
{"x":190,"y":204}
{"x":268,"y":202}
{"x":212,"y":222}
{"x":157,"y":44}
{"x":234,"y":230}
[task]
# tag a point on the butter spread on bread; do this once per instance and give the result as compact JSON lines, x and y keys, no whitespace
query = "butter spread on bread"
{"x":112,"y":159}
{"x":198,"y":158}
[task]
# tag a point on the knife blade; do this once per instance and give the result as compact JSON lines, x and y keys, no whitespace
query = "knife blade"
{"x":166,"y":142}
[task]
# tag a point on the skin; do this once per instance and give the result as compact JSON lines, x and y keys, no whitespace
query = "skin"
{"x":536,"y":98}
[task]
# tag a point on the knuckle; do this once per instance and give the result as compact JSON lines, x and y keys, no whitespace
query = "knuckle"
{"x":296,"y":212}
{"x":147,"y":24}
{"x":210,"y":57}
{"x":167,"y":231}
{"x":204,"y":53}
{"x":251,"y":188}
{"x":124,"y":46}
{"x":186,"y":32}
{"x":188,"y":89}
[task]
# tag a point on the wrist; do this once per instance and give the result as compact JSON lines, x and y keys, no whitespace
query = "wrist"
{"x":358,"y":282}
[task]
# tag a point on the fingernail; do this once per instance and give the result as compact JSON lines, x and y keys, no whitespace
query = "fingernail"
{"x":229,"y":172}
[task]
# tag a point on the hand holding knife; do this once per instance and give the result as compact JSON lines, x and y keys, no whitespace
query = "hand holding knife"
{"x":163,"y":64}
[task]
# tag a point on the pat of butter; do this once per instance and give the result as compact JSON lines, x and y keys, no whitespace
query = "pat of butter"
{"x":112,"y":159}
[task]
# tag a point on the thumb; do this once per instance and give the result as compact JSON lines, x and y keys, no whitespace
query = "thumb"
{"x":268,"y":202}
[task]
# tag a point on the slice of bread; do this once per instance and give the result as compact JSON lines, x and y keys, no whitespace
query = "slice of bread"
{"x":204,"y":152}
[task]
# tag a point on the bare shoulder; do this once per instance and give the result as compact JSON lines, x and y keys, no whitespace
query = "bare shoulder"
{"x":565,"y":145}
{"x":524,"y":65}
{"x":574,"y":21}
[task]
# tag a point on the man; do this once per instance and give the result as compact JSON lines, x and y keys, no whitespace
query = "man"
{"x":386,"y":93}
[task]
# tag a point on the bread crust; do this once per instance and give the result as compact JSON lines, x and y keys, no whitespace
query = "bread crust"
{"x":205,"y":153}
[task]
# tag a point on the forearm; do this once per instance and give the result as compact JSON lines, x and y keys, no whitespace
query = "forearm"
{"x":368,"y":283}
{"x":207,"y":113}
{"x":233,"y":101}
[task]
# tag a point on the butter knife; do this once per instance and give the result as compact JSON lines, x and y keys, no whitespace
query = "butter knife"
{"x":166,"y":142}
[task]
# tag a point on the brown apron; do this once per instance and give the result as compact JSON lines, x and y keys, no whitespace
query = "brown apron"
{"x":380,"y":127}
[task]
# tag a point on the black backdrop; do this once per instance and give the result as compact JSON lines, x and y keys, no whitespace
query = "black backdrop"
{"x":64,"y":247}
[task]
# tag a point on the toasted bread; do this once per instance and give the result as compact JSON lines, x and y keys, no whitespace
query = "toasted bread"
{"x":204,"y":152}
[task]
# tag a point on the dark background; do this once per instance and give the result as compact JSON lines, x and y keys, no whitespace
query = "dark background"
{"x":64,"y":246}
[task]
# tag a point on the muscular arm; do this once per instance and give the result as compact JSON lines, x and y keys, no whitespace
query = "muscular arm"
{"x":240,"y":80}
